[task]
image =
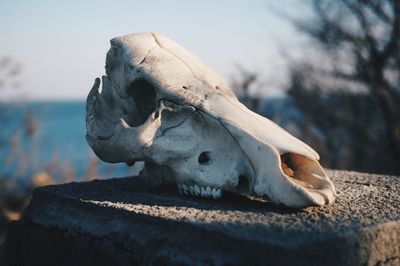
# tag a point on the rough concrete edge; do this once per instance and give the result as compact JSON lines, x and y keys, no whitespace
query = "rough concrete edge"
{"x":312,"y":254}
{"x":48,"y":217}
{"x":14,"y":247}
{"x":366,"y":240}
{"x":3,"y":254}
{"x":382,"y":235}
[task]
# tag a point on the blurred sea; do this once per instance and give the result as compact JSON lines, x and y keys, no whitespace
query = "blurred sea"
{"x":49,"y":136}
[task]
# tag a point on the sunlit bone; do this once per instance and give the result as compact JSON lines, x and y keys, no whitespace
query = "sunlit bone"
{"x":162,"y":105}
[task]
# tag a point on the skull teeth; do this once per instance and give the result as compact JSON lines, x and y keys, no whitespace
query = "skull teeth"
{"x":195,"y":190}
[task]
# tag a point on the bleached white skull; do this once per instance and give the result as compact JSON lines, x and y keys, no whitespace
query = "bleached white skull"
{"x":162,"y":105}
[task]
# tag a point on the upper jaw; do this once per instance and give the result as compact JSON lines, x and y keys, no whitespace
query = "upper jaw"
{"x":298,"y":182}
{"x":284,"y":169}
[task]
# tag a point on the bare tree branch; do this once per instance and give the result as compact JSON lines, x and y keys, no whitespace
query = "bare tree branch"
{"x":369,"y":33}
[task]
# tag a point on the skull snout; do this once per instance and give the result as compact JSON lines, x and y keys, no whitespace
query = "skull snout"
{"x":287,"y":177}
{"x":285,"y":169}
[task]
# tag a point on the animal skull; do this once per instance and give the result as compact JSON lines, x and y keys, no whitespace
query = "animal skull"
{"x":162,"y":105}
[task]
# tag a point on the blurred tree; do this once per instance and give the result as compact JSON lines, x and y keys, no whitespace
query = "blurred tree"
{"x":9,"y":74}
{"x":242,"y":83}
{"x":9,"y":83}
{"x":358,"y":50}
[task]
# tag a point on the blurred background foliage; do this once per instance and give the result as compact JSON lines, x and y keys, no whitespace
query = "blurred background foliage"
{"x":342,"y":98}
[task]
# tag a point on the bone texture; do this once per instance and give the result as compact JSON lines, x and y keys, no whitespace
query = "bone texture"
{"x":160,"y":104}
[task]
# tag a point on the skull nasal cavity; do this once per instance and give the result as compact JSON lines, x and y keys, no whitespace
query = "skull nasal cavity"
{"x":144,"y":96}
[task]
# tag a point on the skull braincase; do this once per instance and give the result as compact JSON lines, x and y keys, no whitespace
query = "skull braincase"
{"x":162,"y":105}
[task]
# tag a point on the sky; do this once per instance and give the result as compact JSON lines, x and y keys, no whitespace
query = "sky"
{"x":61,"y":45}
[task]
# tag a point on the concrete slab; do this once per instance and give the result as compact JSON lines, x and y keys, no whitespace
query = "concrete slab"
{"x":123,"y":222}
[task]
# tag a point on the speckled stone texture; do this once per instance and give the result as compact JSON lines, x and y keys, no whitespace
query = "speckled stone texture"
{"x":124,"y":222}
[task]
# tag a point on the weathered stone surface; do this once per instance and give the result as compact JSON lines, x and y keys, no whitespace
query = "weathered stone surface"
{"x":121,"y":222}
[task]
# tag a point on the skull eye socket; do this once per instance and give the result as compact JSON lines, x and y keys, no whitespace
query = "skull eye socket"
{"x":144,"y":96}
{"x":204,"y":157}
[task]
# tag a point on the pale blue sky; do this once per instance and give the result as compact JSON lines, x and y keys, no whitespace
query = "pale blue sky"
{"x":62,"y":44}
